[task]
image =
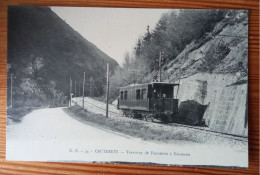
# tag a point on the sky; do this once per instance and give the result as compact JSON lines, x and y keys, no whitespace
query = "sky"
{"x":113,"y":30}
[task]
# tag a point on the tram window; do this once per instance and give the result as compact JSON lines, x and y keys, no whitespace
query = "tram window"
{"x":138,"y":95}
{"x":143,"y":94}
{"x":122,"y":95}
{"x":125,"y":95}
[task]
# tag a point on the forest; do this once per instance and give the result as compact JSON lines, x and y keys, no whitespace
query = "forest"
{"x":174,"y":32}
{"x":44,"y":52}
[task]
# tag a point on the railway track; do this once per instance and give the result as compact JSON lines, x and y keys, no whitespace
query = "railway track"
{"x":101,"y":108}
{"x":203,"y":129}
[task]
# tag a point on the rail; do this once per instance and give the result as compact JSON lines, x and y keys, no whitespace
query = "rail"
{"x":115,"y":114}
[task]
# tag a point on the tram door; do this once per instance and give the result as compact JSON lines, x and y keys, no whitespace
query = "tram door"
{"x":158,"y":99}
{"x":162,"y":98}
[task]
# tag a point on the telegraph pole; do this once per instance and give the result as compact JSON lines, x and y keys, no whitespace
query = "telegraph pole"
{"x":11,"y":91}
{"x":107,"y":89}
{"x":91,"y":86}
{"x":70,"y":92}
{"x":160,"y":59}
{"x":53,"y":98}
{"x":79,"y":90}
{"x":75,"y":91}
{"x":83,"y":93}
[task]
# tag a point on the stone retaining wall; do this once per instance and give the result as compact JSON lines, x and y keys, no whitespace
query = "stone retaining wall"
{"x":227,"y":103}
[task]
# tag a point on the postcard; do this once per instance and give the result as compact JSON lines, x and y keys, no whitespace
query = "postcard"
{"x":128,"y":86}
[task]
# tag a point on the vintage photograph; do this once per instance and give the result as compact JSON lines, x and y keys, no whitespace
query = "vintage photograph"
{"x":128,"y":86}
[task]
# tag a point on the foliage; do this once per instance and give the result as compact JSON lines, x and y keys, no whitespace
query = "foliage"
{"x":132,"y":72}
{"x":44,"y":52}
{"x":16,"y":114}
{"x":172,"y":33}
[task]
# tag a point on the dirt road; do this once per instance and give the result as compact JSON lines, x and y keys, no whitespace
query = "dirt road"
{"x":52,"y":135}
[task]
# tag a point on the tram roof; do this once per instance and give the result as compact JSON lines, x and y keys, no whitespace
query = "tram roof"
{"x":152,"y":83}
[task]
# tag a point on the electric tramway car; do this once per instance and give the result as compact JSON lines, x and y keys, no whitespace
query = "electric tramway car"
{"x":149,"y":101}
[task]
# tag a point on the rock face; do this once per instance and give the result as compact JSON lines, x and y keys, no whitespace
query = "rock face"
{"x":228,"y":111}
{"x":213,"y":72}
{"x":225,"y":98}
{"x":223,"y":51}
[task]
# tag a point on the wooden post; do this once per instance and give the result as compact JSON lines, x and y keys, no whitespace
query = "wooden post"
{"x":53,"y":98}
{"x":75,"y":91}
{"x":107,"y":98}
{"x":83,"y":93}
{"x":160,"y":59}
{"x":79,"y":90}
{"x":70,"y":92}
{"x":179,"y":83}
{"x":91,"y":86}
{"x":11,"y":91}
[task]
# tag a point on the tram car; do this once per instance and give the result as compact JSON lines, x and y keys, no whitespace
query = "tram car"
{"x":149,"y":101}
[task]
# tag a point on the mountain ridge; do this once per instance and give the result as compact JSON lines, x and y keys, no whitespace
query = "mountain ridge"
{"x":44,"y":52}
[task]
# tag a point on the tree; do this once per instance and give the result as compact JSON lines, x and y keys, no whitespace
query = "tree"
{"x":148,"y":35}
{"x":138,"y":48}
{"x":127,"y":60}
{"x":172,"y":33}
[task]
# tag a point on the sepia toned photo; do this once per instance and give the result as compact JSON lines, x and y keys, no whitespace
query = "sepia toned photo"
{"x":128,"y":86}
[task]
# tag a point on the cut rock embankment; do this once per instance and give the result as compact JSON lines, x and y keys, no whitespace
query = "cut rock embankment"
{"x":226,"y":101}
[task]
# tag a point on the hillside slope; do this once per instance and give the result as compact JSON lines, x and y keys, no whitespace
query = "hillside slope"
{"x":44,"y":52}
{"x":222,"y":51}
{"x":213,"y":71}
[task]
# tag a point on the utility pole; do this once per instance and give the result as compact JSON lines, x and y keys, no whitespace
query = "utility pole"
{"x":75,"y":91}
{"x":11,"y":91}
{"x":53,"y":98}
{"x":160,"y":59}
{"x":79,"y":90}
{"x":70,"y":92}
{"x":179,"y":83}
{"x":83,"y":93}
{"x":107,"y":89}
{"x":91,"y":86}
